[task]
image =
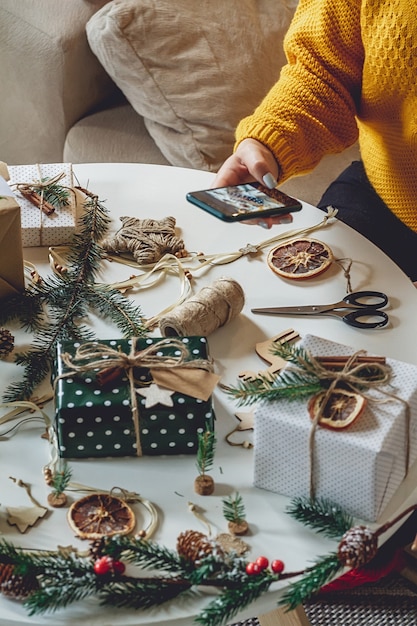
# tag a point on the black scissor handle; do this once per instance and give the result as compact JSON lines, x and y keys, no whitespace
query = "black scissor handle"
{"x":353,"y":318}
{"x":380,"y":299}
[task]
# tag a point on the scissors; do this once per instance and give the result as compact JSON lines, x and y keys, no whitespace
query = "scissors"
{"x":352,"y":309}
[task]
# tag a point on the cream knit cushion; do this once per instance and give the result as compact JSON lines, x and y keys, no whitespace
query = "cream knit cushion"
{"x":192,"y":69}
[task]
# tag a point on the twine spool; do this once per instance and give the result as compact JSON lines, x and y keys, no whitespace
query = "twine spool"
{"x":203,"y":313}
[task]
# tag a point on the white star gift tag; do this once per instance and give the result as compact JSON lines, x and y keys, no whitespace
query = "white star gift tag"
{"x":156,"y":395}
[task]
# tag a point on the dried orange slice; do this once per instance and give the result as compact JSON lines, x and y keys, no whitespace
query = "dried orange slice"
{"x":101,"y":515}
{"x":341,"y":410}
{"x":300,"y":258}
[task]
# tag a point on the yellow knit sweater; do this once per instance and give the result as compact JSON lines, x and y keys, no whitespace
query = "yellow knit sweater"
{"x":351,"y":72}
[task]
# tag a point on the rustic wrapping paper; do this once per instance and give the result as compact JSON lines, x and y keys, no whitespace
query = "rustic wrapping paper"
{"x":360,"y":467}
{"x":39,"y":229}
{"x":11,"y":256}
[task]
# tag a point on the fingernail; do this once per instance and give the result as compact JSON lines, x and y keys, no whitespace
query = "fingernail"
{"x":263,"y":224}
{"x":286,"y":219}
{"x":269,"y":180}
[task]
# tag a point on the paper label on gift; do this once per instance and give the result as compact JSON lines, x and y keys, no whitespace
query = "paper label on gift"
{"x":39,"y":229}
{"x":197,"y":383}
{"x":359,"y":467}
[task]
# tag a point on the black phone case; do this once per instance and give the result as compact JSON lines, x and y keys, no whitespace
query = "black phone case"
{"x":228,"y":210}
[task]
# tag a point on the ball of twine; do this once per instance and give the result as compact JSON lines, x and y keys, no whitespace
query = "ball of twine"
{"x":203,"y":313}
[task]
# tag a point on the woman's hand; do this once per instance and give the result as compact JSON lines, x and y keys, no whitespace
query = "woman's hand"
{"x":251,"y":161}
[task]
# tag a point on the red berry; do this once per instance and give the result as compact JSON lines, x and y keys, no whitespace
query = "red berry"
{"x":277,"y":566}
{"x":262,"y":562}
{"x":252,"y":568}
{"x":119,"y":567}
{"x":103,"y":565}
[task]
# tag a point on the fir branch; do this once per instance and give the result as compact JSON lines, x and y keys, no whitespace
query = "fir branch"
{"x":61,"y":479}
{"x":205,"y":452}
{"x":110,"y":303}
{"x":67,"y":298}
{"x":133,"y":594}
{"x":288,"y":384}
{"x":25,"y":307}
{"x":54,"y":193}
{"x":147,"y":554}
{"x":324,"y":570}
{"x":322,"y":515}
{"x":231,"y":601}
{"x":234,"y":509}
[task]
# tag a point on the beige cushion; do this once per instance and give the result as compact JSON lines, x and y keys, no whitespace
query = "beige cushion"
{"x":192,"y":69}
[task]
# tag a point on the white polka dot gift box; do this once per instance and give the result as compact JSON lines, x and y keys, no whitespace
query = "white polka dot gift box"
{"x":38,"y":228}
{"x":121,"y":411}
{"x":359,"y":467}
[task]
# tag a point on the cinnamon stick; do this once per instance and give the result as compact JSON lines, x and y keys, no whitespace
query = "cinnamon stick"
{"x":340,"y":361}
{"x":36,"y":200}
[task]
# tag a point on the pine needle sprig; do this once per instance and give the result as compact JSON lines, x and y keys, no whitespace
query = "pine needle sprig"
{"x":109,"y":303}
{"x":205,"y":451}
{"x":288,"y":384}
{"x":322,"y":515}
{"x":231,"y":601}
{"x":26,"y":308}
{"x":61,"y":479}
{"x":147,"y":554}
{"x":61,"y":587}
{"x":234,"y":509}
{"x":325,"y":568}
{"x":131,"y":594}
{"x":68,"y":298}
{"x":54,"y":193}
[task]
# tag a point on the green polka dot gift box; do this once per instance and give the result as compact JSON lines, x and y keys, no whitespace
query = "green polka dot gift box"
{"x":107,"y":402}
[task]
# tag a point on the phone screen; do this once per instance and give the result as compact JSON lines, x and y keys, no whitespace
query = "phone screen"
{"x":243,"y":202}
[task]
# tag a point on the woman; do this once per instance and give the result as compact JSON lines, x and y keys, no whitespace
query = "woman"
{"x":351,"y":74}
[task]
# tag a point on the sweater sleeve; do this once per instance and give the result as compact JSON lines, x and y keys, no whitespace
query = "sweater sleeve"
{"x":311,"y":110}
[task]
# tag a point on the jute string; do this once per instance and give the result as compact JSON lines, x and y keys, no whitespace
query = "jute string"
{"x":350,"y":376}
{"x":101,"y":358}
{"x":213,"y":306}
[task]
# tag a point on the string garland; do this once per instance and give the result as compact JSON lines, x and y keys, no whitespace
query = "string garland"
{"x":186,"y":268}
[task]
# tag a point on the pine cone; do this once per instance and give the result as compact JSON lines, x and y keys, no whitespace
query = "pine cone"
{"x":193,"y":545}
{"x":6,"y":343}
{"x":358,"y":546}
{"x":14,"y":586}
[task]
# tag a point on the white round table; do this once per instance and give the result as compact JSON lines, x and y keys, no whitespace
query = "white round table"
{"x":157,"y":191}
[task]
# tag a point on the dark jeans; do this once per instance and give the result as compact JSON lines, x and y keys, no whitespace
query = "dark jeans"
{"x":360,"y":206}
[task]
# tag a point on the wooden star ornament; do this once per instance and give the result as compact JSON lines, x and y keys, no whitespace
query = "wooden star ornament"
{"x":156,"y":395}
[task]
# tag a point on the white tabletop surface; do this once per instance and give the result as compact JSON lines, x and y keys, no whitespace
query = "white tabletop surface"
{"x":156,"y":191}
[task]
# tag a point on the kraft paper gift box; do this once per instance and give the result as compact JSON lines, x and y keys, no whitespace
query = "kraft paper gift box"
{"x":11,"y":255}
{"x":96,"y":420}
{"x":359,"y":467}
{"x":39,"y":229}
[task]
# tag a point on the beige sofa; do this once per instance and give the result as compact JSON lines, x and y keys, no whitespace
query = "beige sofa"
{"x":153,"y":81}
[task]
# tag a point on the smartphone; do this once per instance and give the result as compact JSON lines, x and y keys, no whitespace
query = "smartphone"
{"x":243,"y":202}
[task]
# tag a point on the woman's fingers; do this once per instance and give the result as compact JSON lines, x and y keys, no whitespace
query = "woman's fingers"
{"x":251,"y":161}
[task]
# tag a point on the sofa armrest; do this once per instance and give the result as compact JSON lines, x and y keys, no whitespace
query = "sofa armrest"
{"x":49,"y":77}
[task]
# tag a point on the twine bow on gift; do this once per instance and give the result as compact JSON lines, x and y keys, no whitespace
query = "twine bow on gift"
{"x":358,"y":377}
{"x":110,"y":363}
{"x":28,"y":192}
